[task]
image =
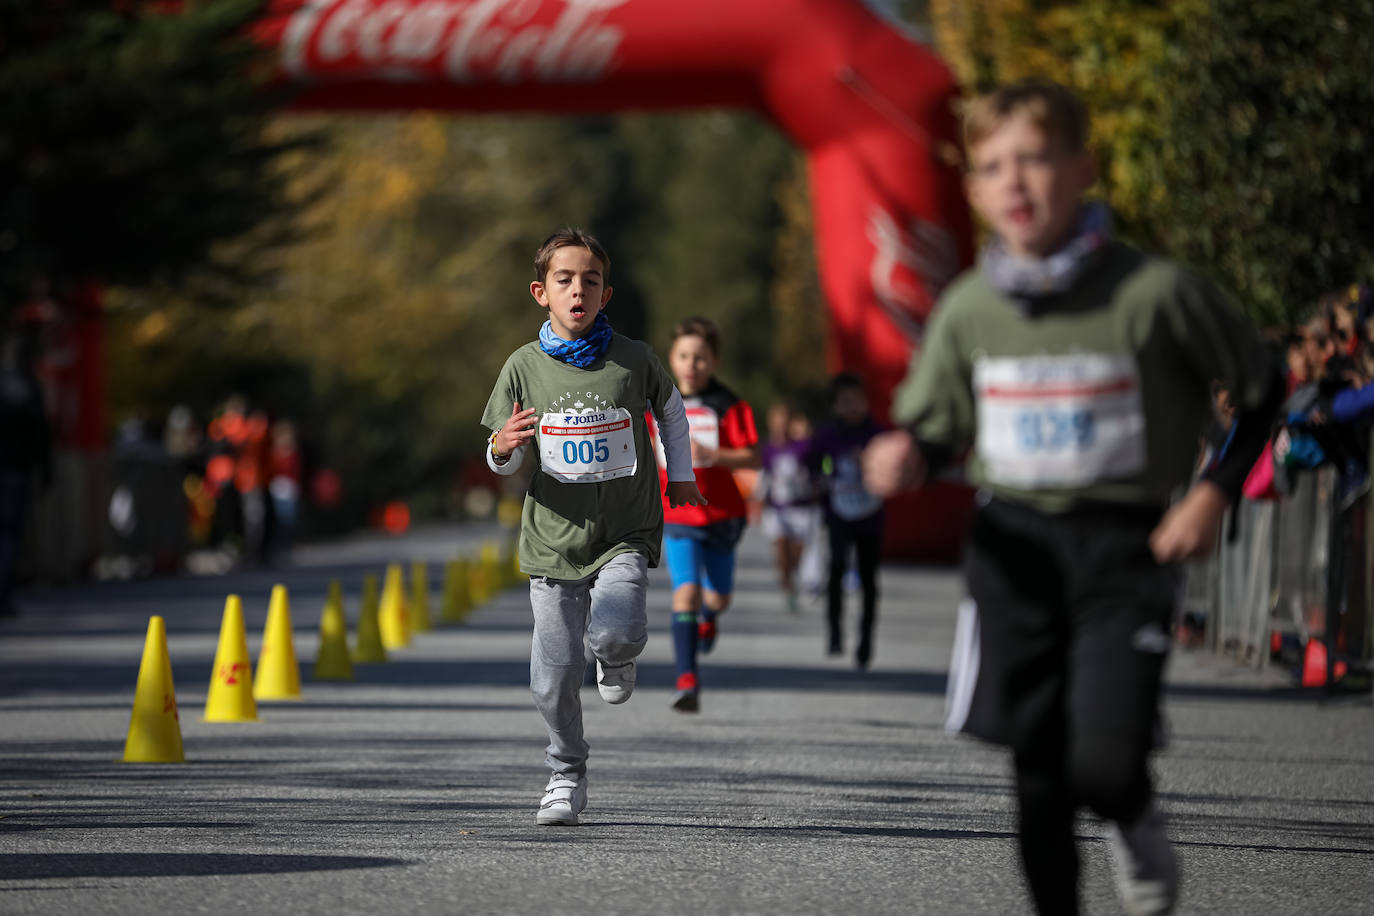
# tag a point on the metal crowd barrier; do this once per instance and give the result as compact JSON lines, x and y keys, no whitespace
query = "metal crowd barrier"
{"x":1280,"y":575}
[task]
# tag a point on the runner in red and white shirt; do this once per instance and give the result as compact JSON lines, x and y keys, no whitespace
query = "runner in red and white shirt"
{"x":699,"y":541}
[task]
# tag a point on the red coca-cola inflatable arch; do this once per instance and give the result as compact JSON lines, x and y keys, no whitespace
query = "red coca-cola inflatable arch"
{"x":872,"y":109}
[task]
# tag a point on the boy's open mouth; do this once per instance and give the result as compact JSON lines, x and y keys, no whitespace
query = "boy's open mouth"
{"x":577,"y":311}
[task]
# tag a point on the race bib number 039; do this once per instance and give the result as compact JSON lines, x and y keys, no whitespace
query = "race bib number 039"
{"x":588,"y":447}
{"x":1059,"y":421}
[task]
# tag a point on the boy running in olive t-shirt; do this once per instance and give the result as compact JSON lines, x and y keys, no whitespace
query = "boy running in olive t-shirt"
{"x":592,"y":522}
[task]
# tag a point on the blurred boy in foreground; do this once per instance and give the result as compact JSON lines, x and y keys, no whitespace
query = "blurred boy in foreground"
{"x":1079,"y":370}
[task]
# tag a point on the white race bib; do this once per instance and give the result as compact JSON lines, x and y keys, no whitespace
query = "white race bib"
{"x":587,"y":447}
{"x":1059,"y":421}
{"x":704,"y":429}
{"x":703,"y":425}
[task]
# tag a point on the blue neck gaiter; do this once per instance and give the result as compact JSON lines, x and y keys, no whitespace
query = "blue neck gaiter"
{"x":581,"y":352}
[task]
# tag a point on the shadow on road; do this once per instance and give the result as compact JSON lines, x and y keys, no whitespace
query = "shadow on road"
{"x":28,"y":866}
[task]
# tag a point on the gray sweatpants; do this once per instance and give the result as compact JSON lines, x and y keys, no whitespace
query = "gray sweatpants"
{"x":606,"y":610}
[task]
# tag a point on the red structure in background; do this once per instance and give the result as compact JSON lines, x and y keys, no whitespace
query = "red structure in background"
{"x":872,"y":109}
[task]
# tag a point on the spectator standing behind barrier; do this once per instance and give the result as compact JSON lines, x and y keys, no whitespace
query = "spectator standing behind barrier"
{"x":284,"y":485}
{"x":1079,"y":369}
{"x":25,"y":445}
{"x":853,"y":514}
{"x":787,"y":492}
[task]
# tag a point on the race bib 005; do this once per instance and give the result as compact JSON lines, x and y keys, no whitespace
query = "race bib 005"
{"x":587,"y":447}
{"x":1059,"y":421}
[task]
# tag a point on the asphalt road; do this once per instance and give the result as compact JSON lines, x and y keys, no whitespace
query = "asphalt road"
{"x":804,"y":786}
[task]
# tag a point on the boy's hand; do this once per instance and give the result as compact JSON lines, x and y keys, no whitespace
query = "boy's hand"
{"x":1191,"y":527}
{"x":703,"y":456}
{"x":516,"y":431}
{"x":892,"y":462}
{"x":684,"y":493}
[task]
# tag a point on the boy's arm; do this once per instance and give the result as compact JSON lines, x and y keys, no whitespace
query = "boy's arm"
{"x":505,"y":448}
{"x":935,"y":409}
{"x":1223,"y":345}
{"x":512,"y":428}
{"x":675,"y":435}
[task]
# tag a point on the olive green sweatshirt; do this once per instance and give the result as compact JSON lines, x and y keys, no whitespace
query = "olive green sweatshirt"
{"x":1096,"y":395}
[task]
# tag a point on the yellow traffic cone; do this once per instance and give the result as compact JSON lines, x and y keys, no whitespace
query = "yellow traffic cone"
{"x":369,"y":647}
{"x":457,"y":601}
{"x":477,"y":583}
{"x":394,"y":615}
{"x":491,"y":568}
{"x":154,"y":728}
{"x":231,"y":681}
{"x":332,"y":662}
{"x":419,"y":597}
{"x":278,"y":676}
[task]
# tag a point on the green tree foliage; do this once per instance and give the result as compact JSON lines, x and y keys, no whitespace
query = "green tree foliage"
{"x":132,"y":143}
{"x":1270,"y":157}
{"x":1114,"y":53}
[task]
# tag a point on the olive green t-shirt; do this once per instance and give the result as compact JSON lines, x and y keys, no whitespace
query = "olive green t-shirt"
{"x":1098,"y":395}
{"x":595,"y":491}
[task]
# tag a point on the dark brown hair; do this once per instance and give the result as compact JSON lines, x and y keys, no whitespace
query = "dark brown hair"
{"x":564,"y":238}
{"x":699,"y":326}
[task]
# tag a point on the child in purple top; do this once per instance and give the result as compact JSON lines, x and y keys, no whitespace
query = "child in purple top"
{"x":786,"y":488}
{"x":853,"y":515}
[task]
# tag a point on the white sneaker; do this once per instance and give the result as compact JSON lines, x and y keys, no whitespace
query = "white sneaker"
{"x":564,"y":799}
{"x":615,"y":683}
{"x":1146,"y":869}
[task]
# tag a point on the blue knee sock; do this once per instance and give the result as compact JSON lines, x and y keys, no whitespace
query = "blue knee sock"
{"x":685,"y":642}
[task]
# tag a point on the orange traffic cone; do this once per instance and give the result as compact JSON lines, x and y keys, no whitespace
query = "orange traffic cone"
{"x":154,"y":727}
{"x":369,"y":646}
{"x":419,"y":597}
{"x":1314,"y":664}
{"x":332,"y":662}
{"x":395,"y":617}
{"x":278,"y":677}
{"x":231,"y":681}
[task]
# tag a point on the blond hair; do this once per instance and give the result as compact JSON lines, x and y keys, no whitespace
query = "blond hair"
{"x":1053,"y":108}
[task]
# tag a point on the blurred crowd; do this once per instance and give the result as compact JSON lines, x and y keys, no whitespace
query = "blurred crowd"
{"x":1329,"y":413}
{"x":238,"y":477}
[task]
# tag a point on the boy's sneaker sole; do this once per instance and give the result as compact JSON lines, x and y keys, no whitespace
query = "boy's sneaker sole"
{"x":564,"y":798}
{"x":687,"y":700}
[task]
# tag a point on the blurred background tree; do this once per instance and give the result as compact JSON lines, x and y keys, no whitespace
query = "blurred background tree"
{"x":1270,"y":163}
{"x":132,"y":150}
